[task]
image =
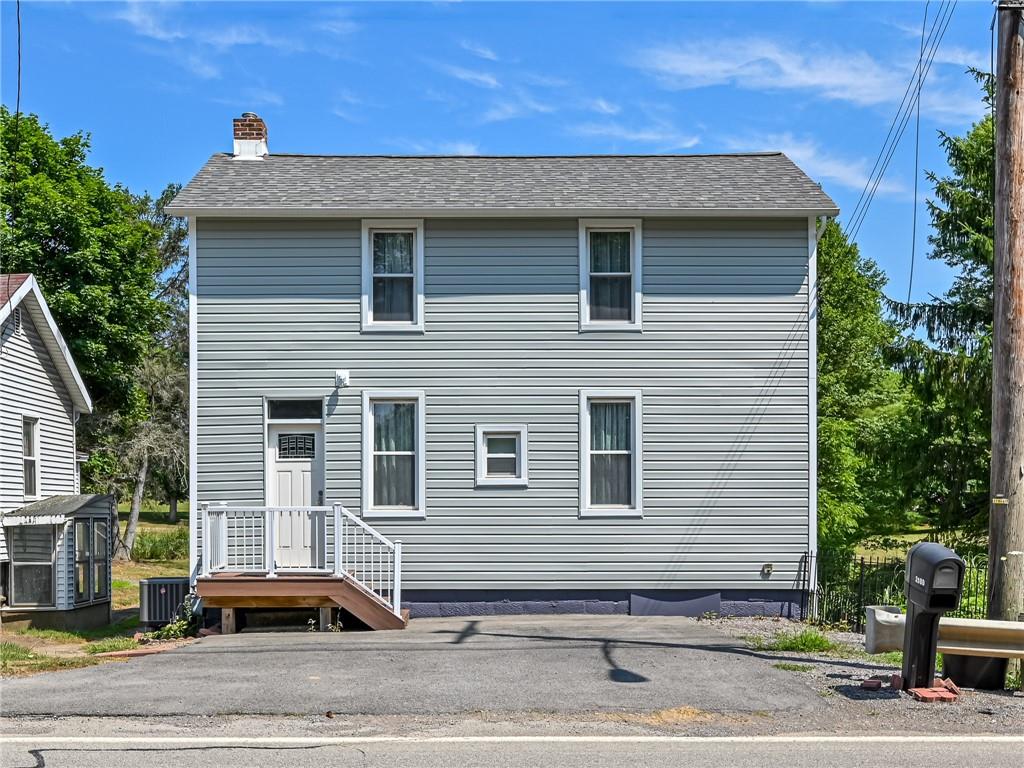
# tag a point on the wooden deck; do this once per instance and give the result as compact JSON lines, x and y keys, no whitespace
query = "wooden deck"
{"x":245,"y":590}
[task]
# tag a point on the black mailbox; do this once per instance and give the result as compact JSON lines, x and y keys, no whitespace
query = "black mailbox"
{"x":935,"y":580}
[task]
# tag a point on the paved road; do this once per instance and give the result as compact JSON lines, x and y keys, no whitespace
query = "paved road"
{"x":559,"y":664}
{"x":663,"y":752}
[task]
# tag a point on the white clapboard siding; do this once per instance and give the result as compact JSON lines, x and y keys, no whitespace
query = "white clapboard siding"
{"x":30,"y":386}
{"x":722,"y":363}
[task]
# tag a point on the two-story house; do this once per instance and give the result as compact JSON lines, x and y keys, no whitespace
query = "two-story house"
{"x":579,"y":384}
{"x":55,"y":543}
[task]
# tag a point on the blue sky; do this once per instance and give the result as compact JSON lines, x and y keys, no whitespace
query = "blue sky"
{"x":157,"y":83}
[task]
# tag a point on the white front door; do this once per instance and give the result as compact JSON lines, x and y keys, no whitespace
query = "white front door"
{"x":296,"y":472}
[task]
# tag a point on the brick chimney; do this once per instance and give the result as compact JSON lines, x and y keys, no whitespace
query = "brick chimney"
{"x":250,"y":137}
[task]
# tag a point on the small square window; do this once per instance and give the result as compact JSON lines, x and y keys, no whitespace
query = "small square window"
{"x":501,"y":455}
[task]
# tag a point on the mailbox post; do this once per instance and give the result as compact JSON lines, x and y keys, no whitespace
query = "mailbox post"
{"x":935,"y":579}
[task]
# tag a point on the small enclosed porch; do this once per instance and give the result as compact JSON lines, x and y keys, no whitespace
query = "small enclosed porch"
{"x":298,"y":557}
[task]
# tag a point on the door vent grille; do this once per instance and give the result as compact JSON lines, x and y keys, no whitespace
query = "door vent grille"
{"x":294,"y":446}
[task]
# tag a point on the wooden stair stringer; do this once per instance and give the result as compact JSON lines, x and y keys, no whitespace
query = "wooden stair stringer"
{"x":365,"y":605}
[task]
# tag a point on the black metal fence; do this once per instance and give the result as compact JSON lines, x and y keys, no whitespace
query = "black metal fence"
{"x":844,"y":586}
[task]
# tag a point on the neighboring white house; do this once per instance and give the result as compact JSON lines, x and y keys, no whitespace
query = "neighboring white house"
{"x":577,"y":383}
{"x":54,"y":542}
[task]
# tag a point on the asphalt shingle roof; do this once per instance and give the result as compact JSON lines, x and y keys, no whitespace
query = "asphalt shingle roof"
{"x":686,"y":183}
{"x":64,"y":505}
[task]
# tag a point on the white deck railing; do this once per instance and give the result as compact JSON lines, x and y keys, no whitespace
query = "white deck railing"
{"x":310,"y":540}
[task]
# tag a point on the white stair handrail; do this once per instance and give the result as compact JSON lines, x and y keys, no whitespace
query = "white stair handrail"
{"x":360,"y":552}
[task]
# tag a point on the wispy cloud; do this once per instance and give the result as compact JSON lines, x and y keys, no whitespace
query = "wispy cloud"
{"x":437,"y":147}
{"x":252,"y":97}
{"x":761,"y":64}
{"x":200,"y":67}
{"x":471,"y":76}
{"x":819,"y":164}
{"x":661,"y":134}
{"x":603,"y":107}
{"x":346,"y":105}
{"x":481,"y":51}
{"x":520,"y":104}
{"x":146,"y":20}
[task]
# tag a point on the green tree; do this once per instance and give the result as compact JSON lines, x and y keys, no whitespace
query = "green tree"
{"x":92,"y":248}
{"x":946,"y":350}
{"x":861,"y":402}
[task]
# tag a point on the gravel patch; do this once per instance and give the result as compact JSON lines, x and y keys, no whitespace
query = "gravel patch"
{"x":836,"y":677}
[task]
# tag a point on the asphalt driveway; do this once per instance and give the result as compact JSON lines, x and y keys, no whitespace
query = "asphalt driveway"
{"x":556,"y":664}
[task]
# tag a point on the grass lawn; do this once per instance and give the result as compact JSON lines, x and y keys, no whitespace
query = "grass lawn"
{"x":27,"y":651}
{"x":153,"y":516}
{"x":17,"y":659}
{"x":126,"y":577}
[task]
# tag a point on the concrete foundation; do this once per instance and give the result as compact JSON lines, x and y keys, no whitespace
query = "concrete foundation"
{"x":656,"y":602}
{"x":75,"y":619}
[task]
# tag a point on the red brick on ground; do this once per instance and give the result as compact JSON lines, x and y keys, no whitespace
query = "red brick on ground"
{"x":933,"y":694}
{"x":871,"y":685}
{"x":896,"y":681}
{"x":950,"y":686}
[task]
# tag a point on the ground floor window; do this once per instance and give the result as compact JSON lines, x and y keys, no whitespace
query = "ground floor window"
{"x":501,"y":455}
{"x":393,"y":447}
{"x":91,"y":560}
{"x":31,"y":549}
{"x":610,"y":450}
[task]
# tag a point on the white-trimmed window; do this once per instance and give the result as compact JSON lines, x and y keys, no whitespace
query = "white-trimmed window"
{"x":501,"y":455}
{"x":30,"y":457}
{"x":394,"y":440}
{"x":611,"y":275}
{"x":611,"y":453}
{"x":392,"y":269}
{"x":31,"y":549}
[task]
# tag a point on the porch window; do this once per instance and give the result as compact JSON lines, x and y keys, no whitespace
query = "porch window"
{"x":30,"y":457}
{"x":610,"y":275}
{"x":392,"y":275}
{"x":393,"y":435}
{"x":610,"y":439}
{"x":501,"y":455}
{"x":32,"y":548}
{"x":91,"y":549}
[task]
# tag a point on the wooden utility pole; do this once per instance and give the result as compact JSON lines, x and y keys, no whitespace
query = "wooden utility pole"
{"x":1006,"y":522}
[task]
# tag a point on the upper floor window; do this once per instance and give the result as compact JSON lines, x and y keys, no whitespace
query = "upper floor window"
{"x":392,"y":266}
{"x":30,"y":457}
{"x":611,"y":279}
{"x":610,"y":453}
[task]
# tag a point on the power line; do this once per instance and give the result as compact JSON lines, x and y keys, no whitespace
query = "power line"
{"x":917,"y":159}
{"x":903,"y":119}
{"x":17,"y":132}
{"x":895,"y":120}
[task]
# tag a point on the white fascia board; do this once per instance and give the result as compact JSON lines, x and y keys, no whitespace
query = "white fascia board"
{"x":469,"y":213}
{"x":72,"y":378}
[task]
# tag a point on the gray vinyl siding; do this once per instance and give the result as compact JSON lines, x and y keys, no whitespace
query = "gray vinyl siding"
{"x":722,"y":363}
{"x":31,"y":387}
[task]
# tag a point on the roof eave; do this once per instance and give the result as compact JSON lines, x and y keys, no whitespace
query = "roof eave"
{"x":450,"y":213}
{"x":62,"y":359}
